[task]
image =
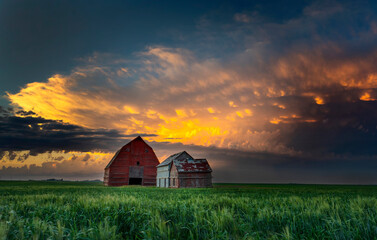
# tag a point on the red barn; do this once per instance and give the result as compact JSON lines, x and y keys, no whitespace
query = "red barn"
{"x":134,"y":164}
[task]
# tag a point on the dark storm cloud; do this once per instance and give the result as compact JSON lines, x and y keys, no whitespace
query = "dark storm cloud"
{"x":25,"y":113}
{"x":37,"y":32}
{"x":237,"y":166}
{"x":341,"y":127}
{"x":39,"y":135}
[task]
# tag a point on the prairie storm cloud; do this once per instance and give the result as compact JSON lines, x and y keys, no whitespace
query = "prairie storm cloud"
{"x":265,"y":92}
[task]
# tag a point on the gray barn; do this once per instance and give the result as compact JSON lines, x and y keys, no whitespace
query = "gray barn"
{"x":181,"y":170}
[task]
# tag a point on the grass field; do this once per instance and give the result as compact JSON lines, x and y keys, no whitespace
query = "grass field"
{"x":63,"y":210}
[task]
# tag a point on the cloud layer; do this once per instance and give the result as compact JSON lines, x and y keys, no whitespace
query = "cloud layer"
{"x":27,"y":132}
{"x":285,"y":94}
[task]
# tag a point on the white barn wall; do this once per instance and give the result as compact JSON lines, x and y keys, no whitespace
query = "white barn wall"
{"x":163,"y":175}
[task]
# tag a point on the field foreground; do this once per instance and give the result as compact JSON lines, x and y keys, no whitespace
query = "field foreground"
{"x":63,"y":210}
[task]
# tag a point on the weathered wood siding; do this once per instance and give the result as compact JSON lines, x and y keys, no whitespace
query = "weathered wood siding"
{"x":182,"y":170}
{"x":195,"y":180}
{"x":174,"y":183}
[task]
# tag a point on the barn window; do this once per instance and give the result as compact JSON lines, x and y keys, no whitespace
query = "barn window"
{"x":138,"y":163}
{"x":146,"y":150}
{"x":127,"y":149}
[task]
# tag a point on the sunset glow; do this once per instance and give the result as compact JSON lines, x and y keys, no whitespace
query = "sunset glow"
{"x":270,"y":93}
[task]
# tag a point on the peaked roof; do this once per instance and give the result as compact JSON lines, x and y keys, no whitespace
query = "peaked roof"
{"x":172,"y":157}
{"x":112,"y":160}
{"x":184,"y":162}
{"x":117,"y":153}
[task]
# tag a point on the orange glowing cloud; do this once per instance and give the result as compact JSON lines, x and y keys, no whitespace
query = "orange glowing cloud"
{"x":366,"y":97}
{"x":55,"y":100}
{"x":171,"y":107}
{"x":180,"y":98}
{"x":319,"y":100}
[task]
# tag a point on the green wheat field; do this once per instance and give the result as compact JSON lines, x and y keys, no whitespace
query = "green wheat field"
{"x":77,"y":210}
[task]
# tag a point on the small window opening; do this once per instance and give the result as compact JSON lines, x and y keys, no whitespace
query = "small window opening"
{"x":146,"y":150}
{"x":138,"y":163}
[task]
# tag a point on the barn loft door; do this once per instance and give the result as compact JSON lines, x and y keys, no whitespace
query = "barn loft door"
{"x":136,"y":175}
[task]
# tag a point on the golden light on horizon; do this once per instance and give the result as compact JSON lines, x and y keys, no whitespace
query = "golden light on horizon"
{"x":53,"y":157}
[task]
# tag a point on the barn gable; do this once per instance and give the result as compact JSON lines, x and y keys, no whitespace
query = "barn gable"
{"x":134,"y":163}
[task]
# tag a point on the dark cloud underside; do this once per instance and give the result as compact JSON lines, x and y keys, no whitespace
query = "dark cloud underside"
{"x":39,"y":135}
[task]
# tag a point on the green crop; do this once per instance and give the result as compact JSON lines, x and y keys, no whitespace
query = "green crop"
{"x":74,"y":210}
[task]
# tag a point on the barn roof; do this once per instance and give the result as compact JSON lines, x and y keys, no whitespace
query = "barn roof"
{"x":174,"y":156}
{"x":111,"y":161}
{"x":192,"y":165}
{"x":184,"y":162}
{"x":138,"y":138}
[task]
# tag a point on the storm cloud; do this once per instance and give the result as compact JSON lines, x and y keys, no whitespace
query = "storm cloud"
{"x":39,"y":135}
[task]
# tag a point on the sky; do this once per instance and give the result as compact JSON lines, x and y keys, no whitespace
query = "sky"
{"x":266,"y":91}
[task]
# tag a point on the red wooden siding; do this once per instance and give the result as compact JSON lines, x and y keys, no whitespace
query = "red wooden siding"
{"x":140,"y":157}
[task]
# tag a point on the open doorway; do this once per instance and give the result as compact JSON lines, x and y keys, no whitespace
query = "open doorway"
{"x":135,"y":181}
